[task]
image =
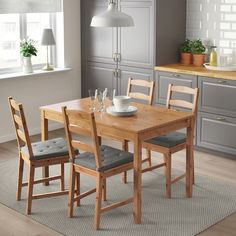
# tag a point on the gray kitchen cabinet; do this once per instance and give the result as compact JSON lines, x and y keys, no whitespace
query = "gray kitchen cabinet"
{"x":216,"y":116}
{"x":218,"y":96}
{"x":99,"y":75}
{"x":126,"y":73}
{"x":136,"y":44}
{"x":216,"y":132}
{"x":163,"y":79}
{"x":135,"y":47}
{"x":98,"y":44}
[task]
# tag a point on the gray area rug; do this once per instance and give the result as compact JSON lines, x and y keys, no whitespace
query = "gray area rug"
{"x":179,"y":216}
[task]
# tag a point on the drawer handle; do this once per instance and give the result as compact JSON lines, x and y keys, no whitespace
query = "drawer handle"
{"x":221,"y":81}
{"x":175,"y":75}
{"x":221,"y":119}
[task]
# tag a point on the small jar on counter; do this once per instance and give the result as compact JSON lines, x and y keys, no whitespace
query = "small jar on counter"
{"x":213,"y":56}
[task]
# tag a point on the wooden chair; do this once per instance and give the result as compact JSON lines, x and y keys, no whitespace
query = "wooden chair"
{"x":38,"y":154}
{"x":135,"y":83}
{"x":99,"y":162}
{"x":174,"y":141}
{"x":141,"y":95}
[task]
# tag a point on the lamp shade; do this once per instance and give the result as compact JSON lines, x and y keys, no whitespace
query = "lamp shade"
{"x":48,"y":38}
{"x":112,"y":18}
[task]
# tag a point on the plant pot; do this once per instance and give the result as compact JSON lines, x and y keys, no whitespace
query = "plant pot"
{"x":186,"y":58}
{"x":27,"y":65}
{"x":198,"y":59}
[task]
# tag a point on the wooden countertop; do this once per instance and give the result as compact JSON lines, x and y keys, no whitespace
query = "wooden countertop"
{"x":200,"y":71}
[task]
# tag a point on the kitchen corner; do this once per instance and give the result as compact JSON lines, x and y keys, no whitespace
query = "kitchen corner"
{"x":216,"y":119}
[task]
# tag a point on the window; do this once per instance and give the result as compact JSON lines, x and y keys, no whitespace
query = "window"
{"x":14,"y":28}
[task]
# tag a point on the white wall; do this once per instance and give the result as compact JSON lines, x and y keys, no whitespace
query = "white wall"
{"x":214,"y":21}
{"x":40,"y":90}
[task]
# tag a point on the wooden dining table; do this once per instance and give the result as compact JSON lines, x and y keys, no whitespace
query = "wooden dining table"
{"x":148,"y":122}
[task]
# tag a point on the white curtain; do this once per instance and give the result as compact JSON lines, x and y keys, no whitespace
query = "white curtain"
{"x":30,"y":6}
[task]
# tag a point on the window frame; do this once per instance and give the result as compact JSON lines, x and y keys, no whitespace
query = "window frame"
{"x":23,"y":34}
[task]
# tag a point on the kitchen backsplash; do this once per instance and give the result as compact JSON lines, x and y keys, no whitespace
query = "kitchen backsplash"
{"x":214,"y":21}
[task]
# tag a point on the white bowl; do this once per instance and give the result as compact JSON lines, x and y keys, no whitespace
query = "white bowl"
{"x":121,"y":103}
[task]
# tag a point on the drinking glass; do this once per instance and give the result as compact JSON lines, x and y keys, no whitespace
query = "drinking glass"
{"x":93,"y":96}
{"x":111,"y":93}
{"x":101,"y":95}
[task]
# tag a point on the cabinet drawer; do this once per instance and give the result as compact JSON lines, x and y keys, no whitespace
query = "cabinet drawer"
{"x":163,"y":79}
{"x":217,"y":133}
{"x":218,"y":96}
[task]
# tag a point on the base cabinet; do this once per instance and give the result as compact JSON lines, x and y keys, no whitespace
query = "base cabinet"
{"x":163,"y":79}
{"x":216,"y":116}
{"x":216,"y":132}
{"x":127,"y":72}
{"x":98,"y":75}
{"x":217,"y":96}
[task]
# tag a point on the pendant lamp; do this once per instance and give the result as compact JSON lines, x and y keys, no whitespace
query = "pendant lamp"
{"x":112,"y":18}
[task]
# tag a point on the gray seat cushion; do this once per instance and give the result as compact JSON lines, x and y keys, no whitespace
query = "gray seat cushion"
{"x":110,"y":158}
{"x":48,"y":149}
{"x":169,"y":140}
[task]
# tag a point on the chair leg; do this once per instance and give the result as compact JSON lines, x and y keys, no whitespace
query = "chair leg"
{"x":104,"y":195}
{"x":167,"y":158}
{"x":125,"y":147}
{"x":149,"y":158}
{"x":98,"y":206}
{"x":30,"y":189}
{"x":62,"y":177}
{"x":71,"y":191}
{"x":193,"y":173}
{"x":77,"y":184}
{"x":20,"y":176}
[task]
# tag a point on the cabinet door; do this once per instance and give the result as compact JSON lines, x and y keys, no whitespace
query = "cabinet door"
{"x":98,"y":76}
{"x":163,"y":79}
{"x":218,"y":96}
{"x":98,"y":43}
{"x":217,"y":133}
{"x":136,"y":44}
{"x":127,"y":72}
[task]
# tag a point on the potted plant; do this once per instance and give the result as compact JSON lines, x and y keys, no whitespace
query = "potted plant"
{"x":198,"y":50}
{"x":185,"y":52}
{"x":27,"y":49}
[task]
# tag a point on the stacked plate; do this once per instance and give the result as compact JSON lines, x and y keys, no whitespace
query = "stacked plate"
{"x":129,"y":112}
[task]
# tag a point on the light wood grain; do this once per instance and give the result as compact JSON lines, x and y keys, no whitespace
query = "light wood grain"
{"x":148,"y":122}
{"x":23,"y":140}
{"x":78,"y":119}
{"x":196,"y":70}
{"x":188,"y":144}
{"x":138,"y":95}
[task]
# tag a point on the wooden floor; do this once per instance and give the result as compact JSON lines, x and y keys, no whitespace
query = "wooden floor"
{"x":13,"y":223}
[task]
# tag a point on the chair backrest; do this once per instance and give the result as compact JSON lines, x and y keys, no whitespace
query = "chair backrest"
{"x":138,"y":95}
{"x":182,"y":103}
{"x":81,"y":123}
{"x":19,"y":121}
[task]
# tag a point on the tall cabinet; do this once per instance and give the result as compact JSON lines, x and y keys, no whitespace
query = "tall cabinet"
{"x":111,"y":55}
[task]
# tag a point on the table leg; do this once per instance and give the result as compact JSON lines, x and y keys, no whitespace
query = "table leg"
{"x":189,"y":159}
{"x":44,"y":136}
{"x":137,"y":180}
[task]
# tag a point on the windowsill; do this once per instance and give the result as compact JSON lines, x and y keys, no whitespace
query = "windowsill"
{"x":35,"y":73}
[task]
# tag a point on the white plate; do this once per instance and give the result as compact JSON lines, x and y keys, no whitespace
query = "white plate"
{"x":129,"y":112}
{"x":221,"y":68}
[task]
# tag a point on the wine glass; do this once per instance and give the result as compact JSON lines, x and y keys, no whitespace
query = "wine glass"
{"x":101,"y":95}
{"x":111,"y":94}
{"x":93,"y":96}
